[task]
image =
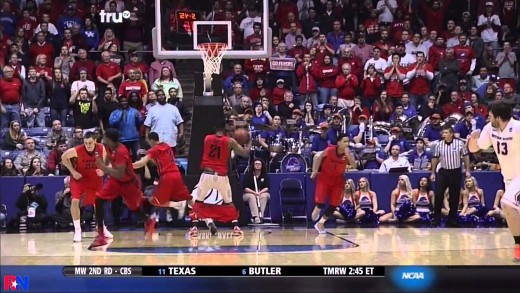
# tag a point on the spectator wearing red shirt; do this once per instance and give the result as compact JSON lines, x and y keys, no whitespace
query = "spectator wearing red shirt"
{"x":255,"y":38}
{"x":282,"y":11}
{"x":362,"y":50}
{"x":372,"y":26}
{"x":384,"y":44}
{"x":358,"y":110}
{"x":307,"y":86}
{"x":107,"y":73}
{"x":133,"y":85}
{"x":479,"y":108}
{"x":254,"y":92}
{"x":420,"y":75}
{"x":454,"y":106}
{"x":323,"y":49}
{"x":325,"y":74}
{"x":395,"y":74}
{"x":436,"y":53}
{"x":11,"y":97}
{"x":298,"y":50}
{"x":41,"y":47}
{"x":136,"y":63}
{"x":382,"y":108}
{"x":464,"y":92}
{"x":346,"y":83}
{"x":42,"y":69}
{"x":277,"y":96}
{"x":82,"y":62}
{"x":450,"y":30}
{"x":434,"y":14}
{"x":370,"y":86}
{"x":356,"y":67}
{"x":28,"y":24}
{"x":464,"y":54}
{"x":256,"y":67}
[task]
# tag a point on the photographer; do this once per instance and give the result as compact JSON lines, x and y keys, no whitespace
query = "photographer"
{"x":62,"y":218}
{"x":32,"y":208}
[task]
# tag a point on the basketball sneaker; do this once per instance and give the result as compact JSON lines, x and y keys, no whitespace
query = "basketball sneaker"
{"x":149,"y":225}
{"x":181,"y":210}
{"x":100,"y":240}
{"x":106,"y":232}
{"x":237,"y":231}
{"x":516,"y":255}
{"x":194,"y":232}
{"x":77,"y":236}
{"x":320,"y":228}
{"x":212,"y":228}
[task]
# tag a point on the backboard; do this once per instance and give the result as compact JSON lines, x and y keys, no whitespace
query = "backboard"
{"x":183,"y":24}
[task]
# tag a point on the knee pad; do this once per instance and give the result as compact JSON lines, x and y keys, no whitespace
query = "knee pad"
{"x":329,"y":211}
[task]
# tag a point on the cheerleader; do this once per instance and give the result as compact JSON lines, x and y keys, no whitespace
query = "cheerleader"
{"x":423,"y":199}
{"x":497,"y":210}
{"x":366,"y":201}
{"x":401,"y":203}
{"x":472,"y":198}
{"x":347,"y":209}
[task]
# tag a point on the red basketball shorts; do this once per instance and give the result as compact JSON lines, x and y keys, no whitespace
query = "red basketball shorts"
{"x":85,"y":190}
{"x":171,"y":187}
{"x":329,"y":190}
{"x":220,"y":213}
{"x":130,"y":191}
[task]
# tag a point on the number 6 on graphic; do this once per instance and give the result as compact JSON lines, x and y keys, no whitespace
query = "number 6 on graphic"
{"x":502,"y":148}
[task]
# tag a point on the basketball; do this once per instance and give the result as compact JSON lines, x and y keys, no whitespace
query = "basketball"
{"x":241,"y":136}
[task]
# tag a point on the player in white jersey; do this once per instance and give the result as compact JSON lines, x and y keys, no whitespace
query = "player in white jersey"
{"x":503,"y":134}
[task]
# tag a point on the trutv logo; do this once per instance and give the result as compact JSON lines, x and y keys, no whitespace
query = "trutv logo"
{"x":113,"y":17}
{"x":16,"y":283}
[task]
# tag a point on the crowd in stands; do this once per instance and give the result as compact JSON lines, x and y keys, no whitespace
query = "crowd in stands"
{"x":370,"y":61}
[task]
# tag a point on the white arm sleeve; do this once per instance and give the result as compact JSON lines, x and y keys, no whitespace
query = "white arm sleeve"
{"x":484,"y":140}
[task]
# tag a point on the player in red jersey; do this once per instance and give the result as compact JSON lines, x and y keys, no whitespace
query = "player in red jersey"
{"x":214,"y":165}
{"x":84,"y":182}
{"x":330,"y":181}
{"x":171,"y":187}
{"x":122,"y":181}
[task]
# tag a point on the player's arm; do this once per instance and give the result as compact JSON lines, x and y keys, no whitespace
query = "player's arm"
{"x":141,"y":163}
{"x":242,"y":151}
{"x":316,"y":164}
{"x":480,"y":140}
{"x":66,"y":157}
{"x":115,"y":171}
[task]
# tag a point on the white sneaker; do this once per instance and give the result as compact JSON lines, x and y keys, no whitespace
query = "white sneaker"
{"x":320,"y":227}
{"x":107,"y":233}
{"x":77,"y":236}
{"x":169,"y":217}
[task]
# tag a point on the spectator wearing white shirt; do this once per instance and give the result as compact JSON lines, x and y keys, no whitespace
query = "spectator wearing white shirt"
{"x":165,"y":119}
{"x":415,"y":45}
{"x":386,"y":10}
{"x":454,"y":41}
{"x":379,"y":63}
{"x":489,"y":25}
{"x":395,"y":161}
{"x":432,"y":39}
{"x":83,"y":82}
{"x":51,"y":28}
{"x":246,"y":25}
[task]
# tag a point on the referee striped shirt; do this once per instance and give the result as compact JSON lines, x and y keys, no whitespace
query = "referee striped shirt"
{"x":450,"y":154}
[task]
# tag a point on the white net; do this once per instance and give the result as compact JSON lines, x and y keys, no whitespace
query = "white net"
{"x":211,"y":54}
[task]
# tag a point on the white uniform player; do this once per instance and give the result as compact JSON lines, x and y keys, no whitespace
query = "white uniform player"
{"x":507,"y":147}
{"x":503,"y":133}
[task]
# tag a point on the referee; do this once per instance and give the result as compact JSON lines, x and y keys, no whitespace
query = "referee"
{"x":449,"y":153}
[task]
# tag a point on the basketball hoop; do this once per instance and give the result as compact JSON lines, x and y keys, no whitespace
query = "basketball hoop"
{"x":211,"y":54}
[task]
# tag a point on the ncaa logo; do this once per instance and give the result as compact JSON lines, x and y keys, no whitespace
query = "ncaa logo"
{"x":412,"y":279}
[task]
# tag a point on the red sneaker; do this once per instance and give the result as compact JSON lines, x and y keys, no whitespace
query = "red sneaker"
{"x":100,"y":240}
{"x":149,"y":225}
{"x":516,"y":254}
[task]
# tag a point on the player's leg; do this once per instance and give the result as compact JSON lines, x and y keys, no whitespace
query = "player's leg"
{"x":108,"y":192}
{"x":204,"y":185}
{"x":320,"y":196}
{"x":335,"y":193}
{"x":510,"y":203}
{"x":75,"y":193}
{"x":230,"y":210}
{"x":135,"y":202}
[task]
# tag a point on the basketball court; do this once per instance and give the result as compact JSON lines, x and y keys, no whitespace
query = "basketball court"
{"x":269,"y":246}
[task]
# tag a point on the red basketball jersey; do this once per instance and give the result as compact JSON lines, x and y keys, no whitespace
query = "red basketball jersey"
{"x":86,"y":161}
{"x":333,"y":166}
{"x":215,"y":155}
{"x":164,"y":158}
{"x":121,"y":156}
